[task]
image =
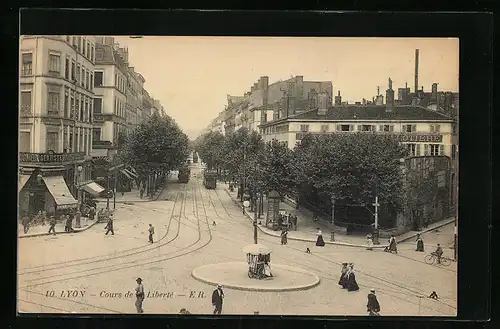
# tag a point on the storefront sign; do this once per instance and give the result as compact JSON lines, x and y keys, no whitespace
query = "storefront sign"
{"x":420,"y":138}
{"x":404,"y":138}
{"x":50,"y":157}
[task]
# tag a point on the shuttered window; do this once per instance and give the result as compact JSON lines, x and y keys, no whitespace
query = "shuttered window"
{"x":52,"y":141}
{"x":25,"y":141}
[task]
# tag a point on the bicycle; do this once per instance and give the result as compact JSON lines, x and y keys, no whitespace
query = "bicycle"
{"x":432,"y":258}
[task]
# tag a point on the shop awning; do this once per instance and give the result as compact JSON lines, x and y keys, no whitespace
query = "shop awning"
{"x":93,"y":188}
{"x":59,"y":190}
{"x":22,"y":181}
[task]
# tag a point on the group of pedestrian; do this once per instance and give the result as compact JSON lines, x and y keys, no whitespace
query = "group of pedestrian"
{"x":393,"y":245}
{"x":217,"y":298}
{"x":348,"y":278}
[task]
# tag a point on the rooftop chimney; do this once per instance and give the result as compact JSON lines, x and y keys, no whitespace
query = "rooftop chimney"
{"x":434,"y":92}
{"x":338,"y":99}
{"x":416,"y":70}
{"x":389,"y":97}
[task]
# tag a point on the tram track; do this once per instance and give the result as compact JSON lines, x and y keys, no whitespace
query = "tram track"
{"x":113,"y":255}
{"x":104,"y":269}
{"x":377,"y":279}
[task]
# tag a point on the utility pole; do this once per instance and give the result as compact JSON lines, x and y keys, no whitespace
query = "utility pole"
{"x":114,"y":192}
{"x":375,"y":235}
{"x":333,"y":209}
{"x":255,"y":226}
{"x":108,"y":184}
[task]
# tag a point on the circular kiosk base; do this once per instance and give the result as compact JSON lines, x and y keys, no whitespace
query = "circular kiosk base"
{"x":234,"y":275}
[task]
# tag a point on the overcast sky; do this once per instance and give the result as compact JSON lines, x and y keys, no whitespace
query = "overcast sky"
{"x":191,"y":76}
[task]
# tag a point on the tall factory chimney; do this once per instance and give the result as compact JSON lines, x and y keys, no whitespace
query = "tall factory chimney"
{"x":416,"y":70}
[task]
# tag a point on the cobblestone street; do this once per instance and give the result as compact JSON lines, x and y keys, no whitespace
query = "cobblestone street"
{"x":89,"y":272}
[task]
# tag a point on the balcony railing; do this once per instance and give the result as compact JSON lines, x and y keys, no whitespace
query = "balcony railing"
{"x":50,"y":157}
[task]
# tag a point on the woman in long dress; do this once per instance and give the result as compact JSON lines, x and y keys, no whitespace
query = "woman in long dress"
{"x":343,"y":272}
{"x":369,"y":242}
{"x":420,"y":244}
{"x":319,"y":241}
{"x":393,"y":245}
{"x":352,"y":285}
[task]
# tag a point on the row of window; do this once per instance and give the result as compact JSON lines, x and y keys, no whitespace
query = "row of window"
{"x":73,"y":71}
{"x":74,"y":139}
{"x":429,"y":149}
{"x":407,"y":128}
{"x":119,"y":108}
{"x":83,"y":46}
{"x":75,"y":105}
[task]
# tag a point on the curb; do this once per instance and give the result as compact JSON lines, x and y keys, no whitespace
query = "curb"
{"x":234,"y":287}
{"x":155,"y":198}
{"x":345,"y":244}
{"x":57,"y":233}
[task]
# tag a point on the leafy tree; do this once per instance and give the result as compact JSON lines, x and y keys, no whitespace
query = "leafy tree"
{"x":210,"y":147}
{"x":276,"y":168}
{"x":351,"y":167}
{"x":241,"y":156}
{"x":157,"y":145}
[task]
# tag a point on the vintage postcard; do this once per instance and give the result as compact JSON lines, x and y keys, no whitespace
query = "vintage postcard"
{"x":238,"y":175}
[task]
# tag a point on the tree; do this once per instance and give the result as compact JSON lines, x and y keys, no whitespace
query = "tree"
{"x":157,"y":145}
{"x":209,"y":146}
{"x":241,"y":156}
{"x":352,"y":168}
{"x":276,"y":168}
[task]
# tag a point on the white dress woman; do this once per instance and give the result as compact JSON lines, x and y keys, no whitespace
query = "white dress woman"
{"x":369,"y":242}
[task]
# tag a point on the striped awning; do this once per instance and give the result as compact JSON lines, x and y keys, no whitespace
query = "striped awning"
{"x":93,"y":188}
{"x":60,"y":192}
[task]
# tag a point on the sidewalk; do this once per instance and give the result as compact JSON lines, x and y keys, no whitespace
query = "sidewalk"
{"x":130,"y":197}
{"x":307,"y":228}
{"x":43,"y":230}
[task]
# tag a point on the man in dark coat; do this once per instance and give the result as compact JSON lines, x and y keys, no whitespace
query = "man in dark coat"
{"x":217,"y":299}
{"x":52,"y":223}
{"x":373,"y":307}
{"x":109,"y":226}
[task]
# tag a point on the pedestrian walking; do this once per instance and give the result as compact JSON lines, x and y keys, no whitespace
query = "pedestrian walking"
{"x":109,"y":226}
{"x":69,"y":224}
{"x":139,"y":295}
{"x":420,"y":244}
{"x":373,"y":306}
{"x":369,"y":242}
{"x":352,"y":285}
{"x":343,"y":272}
{"x":284,"y":233}
{"x":26,"y":224}
{"x":151,"y":232}
{"x":92,"y":213}
{"x":217,"y":299}
{"x":319,"y":241}
{"x":52,"y":225}
{"x":392,"y":247}
{"x":141,"y":192}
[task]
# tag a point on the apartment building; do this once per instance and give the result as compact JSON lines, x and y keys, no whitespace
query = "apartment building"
{"x":55,"y":130}
{"x":110,"y":102}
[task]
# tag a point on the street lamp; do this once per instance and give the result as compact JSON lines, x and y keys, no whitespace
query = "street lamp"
{"x":78,"y":189}
{"x":246,"y":204}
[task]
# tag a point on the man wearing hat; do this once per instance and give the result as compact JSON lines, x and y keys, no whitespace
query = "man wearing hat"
{"x":373,"y":307}
{"x":52,"y":224}
{"x":217,"y":298}
{"x":139,"y":294}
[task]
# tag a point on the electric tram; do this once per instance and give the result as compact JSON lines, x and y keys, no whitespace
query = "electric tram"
{"x":210,"y":179}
